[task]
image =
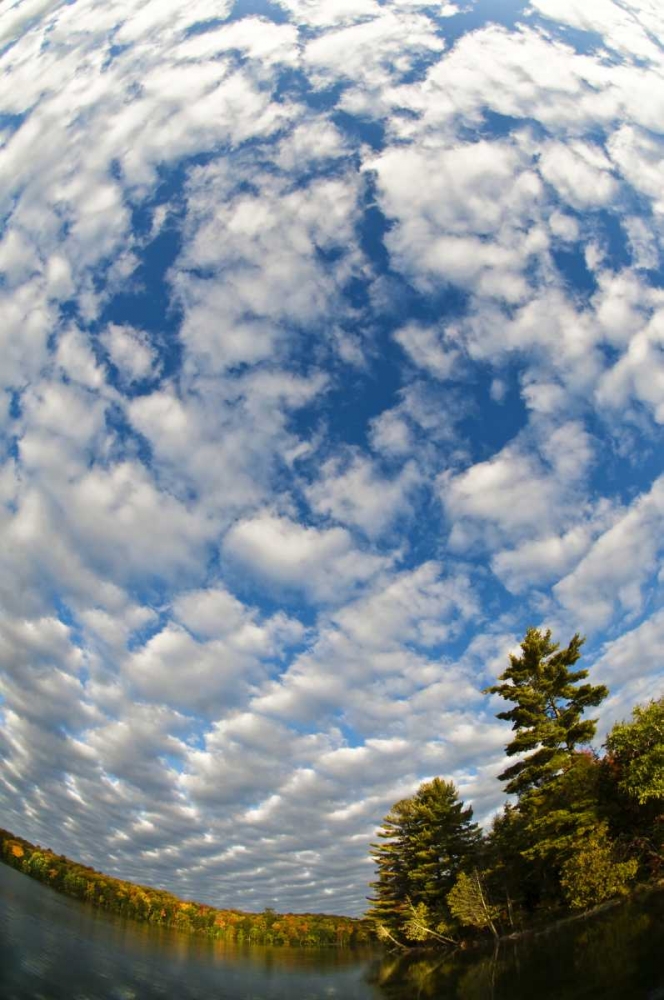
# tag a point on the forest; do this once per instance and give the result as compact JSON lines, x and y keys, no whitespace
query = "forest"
{"x":156,"y":906}
{"x":580,"y":828}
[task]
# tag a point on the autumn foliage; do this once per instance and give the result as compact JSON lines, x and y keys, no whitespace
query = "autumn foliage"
{"x":156,"y":906}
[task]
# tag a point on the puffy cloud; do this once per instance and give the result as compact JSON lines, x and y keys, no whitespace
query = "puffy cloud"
{"x":613,"y":574}
{"x":549,"y":558}
{"x":371,"y":52}
{"x":134,"y":748}
{"x":638,"y":375}
{"x":173,"y":668}
{"x":130,"y":351}
{"x":445,"y":202}
{"x":356,"y":494}
{"x":560,"y":337}
{"x":514,"y":495}
{"x":523,"y":73}
{"x":426,"y":348}
{"x":634,"y":654}
{"x":322,"y":564}
{"x":580,"y":173}
{"x":624,"y":28}
{"x":638,"y":156}
{"x":416,"y":607}
{"x":266,"y":248}
{"x":255,"y":38}
{"x":270,"y":292}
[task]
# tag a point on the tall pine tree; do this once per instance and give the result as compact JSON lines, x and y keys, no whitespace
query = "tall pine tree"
{"x":548,"y":704}
{"x":427,"y":840}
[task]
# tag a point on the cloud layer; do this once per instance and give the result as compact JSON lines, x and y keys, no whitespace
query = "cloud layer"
{"x":332,"y":360}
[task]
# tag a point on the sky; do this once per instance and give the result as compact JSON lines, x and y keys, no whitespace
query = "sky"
{"x":332,"y":353}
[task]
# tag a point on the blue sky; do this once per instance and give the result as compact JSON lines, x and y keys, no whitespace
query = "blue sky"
{"x":332,"y":360}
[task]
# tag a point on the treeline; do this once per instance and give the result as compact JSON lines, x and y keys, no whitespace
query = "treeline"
{"x":582,"y":830}
{"x":155,"y":906}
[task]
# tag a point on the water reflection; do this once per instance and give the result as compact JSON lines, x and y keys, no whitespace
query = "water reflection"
{"x":614,"y":957}
{"x":52,"y":948}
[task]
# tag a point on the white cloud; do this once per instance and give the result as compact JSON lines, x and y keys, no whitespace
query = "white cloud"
{"x":371,"y":53}
{"x":634,"y":655}
{"x":76,"y":360}
{"x":265,"y":250}
{"x":355,"y":493}
{"x":153,"y":723}
{"x":426,"y":348}
{"x":639,"y":373}
{"x":545,"y":560}
{"x":223,"y":444}
{"x":613,"y":575}
{"x":254,"y":37}
{"x":322,"y":564}
{"x":130,"y":351}
{"x":559,"y":337}
{"x":209,"y":613}
{"x":514,"y":496}
{"x":619,"y":25}
{"x":580,"y":173}
{"x":446,"y":201}
{"x":331,"y":14}
{"x":27,"y":320}
{"x":21,"y":16}
{"x":642,"y":243}
{"x":132,"y":748}
{"x":309,"y":143}
{"x":128,"y":528}
{"x":419,"y":607}
{"x":424,"y":420}
{"x":622,"y":304}
{"x":638,"y":155}
{"x":524,"y":74}
{"x":208,"y":677}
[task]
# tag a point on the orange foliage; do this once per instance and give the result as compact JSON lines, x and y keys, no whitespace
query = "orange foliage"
{"x":158,"y":906}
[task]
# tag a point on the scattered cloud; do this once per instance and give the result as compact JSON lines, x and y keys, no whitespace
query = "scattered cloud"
{"x":332,"y":360}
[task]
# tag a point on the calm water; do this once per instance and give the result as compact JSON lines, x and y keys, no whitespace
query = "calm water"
{"x":52,"y":948}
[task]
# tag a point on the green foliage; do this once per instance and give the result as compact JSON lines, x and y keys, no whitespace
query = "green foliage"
{"x":636,"y":749}
{"x":421,"y":926}
{"x":416,"y":927}
{"x":581,"y":829}
{"x":592,"y":874}
{"x":548,"y":705}
{"x":426,"y":840}
{"x":469,"y":904}
{"x":158,"y":907}
{"x":558,"y":815}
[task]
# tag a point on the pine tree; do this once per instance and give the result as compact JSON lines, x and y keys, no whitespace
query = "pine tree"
{"x":548,"y":705}
{"x":426,"y":841}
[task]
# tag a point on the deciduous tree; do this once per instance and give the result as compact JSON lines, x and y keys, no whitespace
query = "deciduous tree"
{"x":593,"y":873}
{"x":636,"y":749}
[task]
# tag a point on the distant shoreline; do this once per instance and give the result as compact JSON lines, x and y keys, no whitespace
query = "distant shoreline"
{"x":163,"y":909}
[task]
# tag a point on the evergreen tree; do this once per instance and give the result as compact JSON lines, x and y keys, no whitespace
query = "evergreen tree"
{"x":548,"y":704}
{"x":427,"y":840}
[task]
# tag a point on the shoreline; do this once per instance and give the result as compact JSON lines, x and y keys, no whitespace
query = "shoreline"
{"x":161,"y":908}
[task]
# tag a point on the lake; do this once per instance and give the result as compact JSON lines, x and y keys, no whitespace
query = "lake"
{"x":55,"y":948}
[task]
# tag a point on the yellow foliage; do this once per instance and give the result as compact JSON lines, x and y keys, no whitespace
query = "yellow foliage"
{"x":17,"y":851}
